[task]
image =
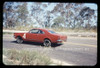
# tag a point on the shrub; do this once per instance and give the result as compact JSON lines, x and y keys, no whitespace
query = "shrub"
{"x":24,"y":57}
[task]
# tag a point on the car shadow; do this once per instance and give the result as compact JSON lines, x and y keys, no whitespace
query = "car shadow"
{"x":36,"y":44}
{"x":55,"y":45}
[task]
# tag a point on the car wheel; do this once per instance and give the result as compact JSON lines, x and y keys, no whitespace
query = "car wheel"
{"x":19,"y":40}
{"x":47,"y":43}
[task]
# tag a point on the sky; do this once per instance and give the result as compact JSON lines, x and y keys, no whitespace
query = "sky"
{"x":92,"y":5}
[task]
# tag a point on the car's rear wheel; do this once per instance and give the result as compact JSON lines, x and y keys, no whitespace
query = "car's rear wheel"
{"x":19,"y":40}
{"x":47,"y":43}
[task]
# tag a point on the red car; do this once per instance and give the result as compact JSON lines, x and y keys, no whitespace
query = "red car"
{"x":47,"y":37}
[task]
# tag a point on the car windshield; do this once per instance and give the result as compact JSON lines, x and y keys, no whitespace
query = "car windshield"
{"x":51,"y":32}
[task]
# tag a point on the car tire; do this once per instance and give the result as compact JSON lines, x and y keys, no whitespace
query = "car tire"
{"x":47,"y":43}
{"x":19,"y":40}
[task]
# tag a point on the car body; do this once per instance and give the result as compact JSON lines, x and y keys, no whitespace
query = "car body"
{"x":40,"y":35}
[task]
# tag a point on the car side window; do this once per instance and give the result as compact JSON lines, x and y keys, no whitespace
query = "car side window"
{"x":34,"y":31}
{"x":41,"y":32}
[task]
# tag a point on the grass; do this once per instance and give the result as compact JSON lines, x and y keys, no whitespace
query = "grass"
{"x":24,"y":57}
{"x":25,"y":28}
{"x":73,"y":30}
{"x":7,"y":33}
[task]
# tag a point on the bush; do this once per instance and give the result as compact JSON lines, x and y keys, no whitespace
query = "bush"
{"x":24,"y":57}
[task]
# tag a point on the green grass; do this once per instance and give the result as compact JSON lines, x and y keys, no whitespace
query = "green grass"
{"x":24,"y":57}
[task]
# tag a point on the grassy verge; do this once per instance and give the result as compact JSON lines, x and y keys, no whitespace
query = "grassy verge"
{"x":73,"y":30}
{"x":23,"y":28}
{"x":7,"y":33}
{"x":24,"y":57}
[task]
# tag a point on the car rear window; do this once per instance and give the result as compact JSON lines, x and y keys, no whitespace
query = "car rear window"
{"x":51,"y":32}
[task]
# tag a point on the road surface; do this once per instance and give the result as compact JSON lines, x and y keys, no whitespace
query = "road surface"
{"x":77,"y":51}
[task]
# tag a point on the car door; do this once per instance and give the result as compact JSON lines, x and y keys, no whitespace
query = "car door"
{"x":32,"y":35}
{"x":40,"y":36}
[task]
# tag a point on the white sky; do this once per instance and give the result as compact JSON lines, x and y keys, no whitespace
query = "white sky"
{"x":51,"y":6}
{"x":92,"y":5}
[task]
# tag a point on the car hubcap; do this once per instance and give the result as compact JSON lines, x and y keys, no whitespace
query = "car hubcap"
{"x":47,"y":43}
{"x":19,"y":40}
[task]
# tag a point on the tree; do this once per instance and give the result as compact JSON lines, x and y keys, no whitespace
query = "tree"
{"x":67,"y":15}
{"x":72,"y":13}
{"x":86,"y":14}
{"x":22,"y":13}
{"x":48,"y":19}
{"x":8,"y":16}
{"x":58,"y":22}
{"x":36,"y":12}
{"x":69,"y":11}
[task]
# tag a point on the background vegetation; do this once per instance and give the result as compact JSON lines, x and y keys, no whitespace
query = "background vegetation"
{"x":63,"y":16}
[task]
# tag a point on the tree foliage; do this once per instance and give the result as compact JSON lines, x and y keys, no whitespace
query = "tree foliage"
{"x":58,"y":22}
{"x":22,"y":13}
{"x":67,"y":15}
{"x":8,"y":16}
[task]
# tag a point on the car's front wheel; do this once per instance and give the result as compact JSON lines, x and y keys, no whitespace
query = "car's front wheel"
{"x":19,"y":40}
{"x":47,"y":43}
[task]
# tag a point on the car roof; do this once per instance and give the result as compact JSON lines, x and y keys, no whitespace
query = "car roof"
{"x":41,"y":29}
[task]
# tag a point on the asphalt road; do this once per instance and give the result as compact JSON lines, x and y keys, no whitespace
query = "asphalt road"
{"x":77,"y":51}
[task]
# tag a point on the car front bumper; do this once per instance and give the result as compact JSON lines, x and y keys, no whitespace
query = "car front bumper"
{"x":59,"y":41}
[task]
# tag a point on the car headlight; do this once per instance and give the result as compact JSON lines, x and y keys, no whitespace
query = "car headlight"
{"x":59,"y":39}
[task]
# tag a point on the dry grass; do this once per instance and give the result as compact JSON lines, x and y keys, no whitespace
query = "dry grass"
{"x":24,"y":57}
{"x":26,"y":28}
{"x":7,"y":33}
